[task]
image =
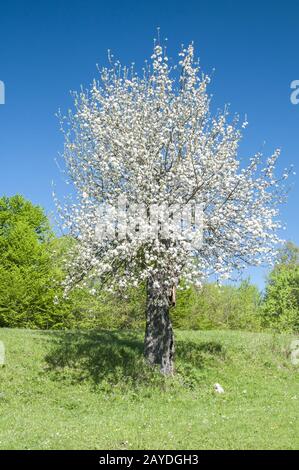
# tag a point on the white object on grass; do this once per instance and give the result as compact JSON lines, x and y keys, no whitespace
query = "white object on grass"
{"x":218,"y":388}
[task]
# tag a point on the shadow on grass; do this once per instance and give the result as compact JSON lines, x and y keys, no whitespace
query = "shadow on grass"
{"x":114,"y":357}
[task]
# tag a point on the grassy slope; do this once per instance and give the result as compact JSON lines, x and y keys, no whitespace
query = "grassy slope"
{"x":68,"y":390}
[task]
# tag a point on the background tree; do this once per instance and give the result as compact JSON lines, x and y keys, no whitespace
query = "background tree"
{"x":281,"y":302}
{"x":213,"y":306}
{"x":150,"y":139}
{"x":28,"y":276}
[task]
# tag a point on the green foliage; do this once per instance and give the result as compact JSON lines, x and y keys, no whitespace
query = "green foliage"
{"x":229,"y":307}
{"x":107,"y":310}
{"x":213,"y":306}
{"x":281,"y":303}
{"x":16,"y":210}
{"x":27,"y":274}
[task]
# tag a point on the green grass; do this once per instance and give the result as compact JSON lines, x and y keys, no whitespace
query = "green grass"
{"x":92,"y":390}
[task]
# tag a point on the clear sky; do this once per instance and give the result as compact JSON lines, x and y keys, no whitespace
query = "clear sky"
{"x":50,"y":47}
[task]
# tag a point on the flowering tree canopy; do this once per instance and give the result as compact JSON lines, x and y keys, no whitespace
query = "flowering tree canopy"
{"x":137,"y":143}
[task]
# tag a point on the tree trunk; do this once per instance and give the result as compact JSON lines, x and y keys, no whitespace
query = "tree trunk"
{"x":159,"y":340}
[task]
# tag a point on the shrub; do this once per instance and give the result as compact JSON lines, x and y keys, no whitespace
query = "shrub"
{"x":281,"y":302}
{"x":213,"y":306}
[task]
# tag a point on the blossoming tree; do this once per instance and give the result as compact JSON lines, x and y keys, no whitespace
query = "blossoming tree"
{"x":149,"y":141}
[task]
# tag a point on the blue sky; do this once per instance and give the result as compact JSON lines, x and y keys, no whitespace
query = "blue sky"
{"x":48,"y":48}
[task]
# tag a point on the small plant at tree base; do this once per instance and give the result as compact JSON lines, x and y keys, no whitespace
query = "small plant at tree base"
{"x":150,"y":139}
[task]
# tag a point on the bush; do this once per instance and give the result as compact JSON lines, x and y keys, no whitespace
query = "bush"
{"x":213,"y":306}
{"x":281,"y":302}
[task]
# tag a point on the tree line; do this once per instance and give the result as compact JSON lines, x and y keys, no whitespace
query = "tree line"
{"x":32,"y":269}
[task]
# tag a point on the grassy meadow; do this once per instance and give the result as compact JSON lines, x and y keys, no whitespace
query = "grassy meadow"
{"x":92,"y":390}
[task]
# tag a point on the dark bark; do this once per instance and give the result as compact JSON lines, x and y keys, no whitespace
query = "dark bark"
{"x":159,"y":341}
